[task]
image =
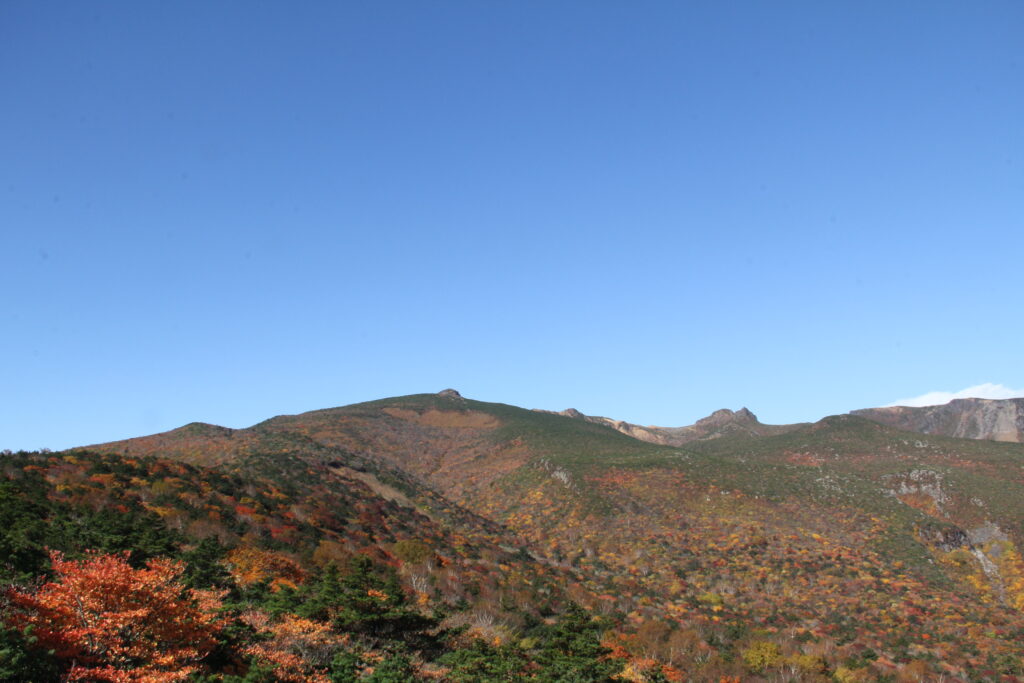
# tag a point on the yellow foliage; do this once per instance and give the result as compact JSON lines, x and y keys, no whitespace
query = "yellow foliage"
{"x":845,"y":675}
{"x":162,"y":511}
{"x":808,"y":663}
{"x":710,"y":598}
{"x":1011,"y":568}
{"x":762,"y":654}
{"x":412,"y":552}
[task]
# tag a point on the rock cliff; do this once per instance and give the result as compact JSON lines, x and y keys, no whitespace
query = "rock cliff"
{"x":719,"y":423}
{"x":964,"y":418}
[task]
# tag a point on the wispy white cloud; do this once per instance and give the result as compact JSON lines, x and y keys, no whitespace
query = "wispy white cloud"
{"x":937,"y":398}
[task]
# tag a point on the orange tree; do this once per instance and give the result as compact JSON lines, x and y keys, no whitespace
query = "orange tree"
{"x":106,"y":621}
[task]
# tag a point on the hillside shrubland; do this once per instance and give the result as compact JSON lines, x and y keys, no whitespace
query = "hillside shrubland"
{"x":433,"y":537}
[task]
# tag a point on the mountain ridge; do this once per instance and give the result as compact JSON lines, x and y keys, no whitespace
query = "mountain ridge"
{"x":719,"y":423}
{"x":740,"y":528}
{"x":967,"y":418}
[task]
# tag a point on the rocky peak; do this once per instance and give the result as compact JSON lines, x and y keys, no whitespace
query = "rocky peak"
{"x":449,"y":393}
{"x":726,"y":416}
{"x":745,"y":415}
{"x":719,"y":423}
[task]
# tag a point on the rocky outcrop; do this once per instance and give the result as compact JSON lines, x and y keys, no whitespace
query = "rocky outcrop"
{"x":725,"y":416}
{"x":963,"y":418}
{"x":449,"y":393}
{"x":719,"y":423}
{"x":944,"y":537}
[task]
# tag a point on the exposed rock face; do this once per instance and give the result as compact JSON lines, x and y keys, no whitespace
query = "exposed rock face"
{"x":945,"y":538}
{"x":963,"y":418}
{"x":449,"y":393}
{"x":719,"y":423}
{"x":726,"y":416}
{"x":649,"y":434}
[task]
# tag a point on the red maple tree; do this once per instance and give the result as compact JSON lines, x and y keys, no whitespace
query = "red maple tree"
{"x":108,"y":621}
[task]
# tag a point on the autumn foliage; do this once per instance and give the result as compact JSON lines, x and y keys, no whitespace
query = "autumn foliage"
{"x":296,"y":649}
{"x":251,"y":565}
{"x":110,"y":622}
{"x":347,"y":540}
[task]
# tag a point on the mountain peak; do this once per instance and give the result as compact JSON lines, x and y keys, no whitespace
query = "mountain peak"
{"x":725,"y":416}
{"x":745,"y":414}
{"x":449,"y":393}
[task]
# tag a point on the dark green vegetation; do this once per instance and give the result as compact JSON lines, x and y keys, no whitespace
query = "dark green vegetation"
{"x":308,"y":564}
{"x":435,"y":536}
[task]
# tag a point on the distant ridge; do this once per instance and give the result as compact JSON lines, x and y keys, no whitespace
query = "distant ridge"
{"x":720,"y":423}
{"x":963,"y":418}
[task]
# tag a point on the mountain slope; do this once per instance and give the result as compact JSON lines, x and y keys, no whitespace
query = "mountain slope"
{"x":845,"y":532}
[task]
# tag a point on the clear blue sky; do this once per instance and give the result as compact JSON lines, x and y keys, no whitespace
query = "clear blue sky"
{"x":226,"y":211}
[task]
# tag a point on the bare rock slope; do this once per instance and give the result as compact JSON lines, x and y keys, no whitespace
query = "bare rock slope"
{"x":719,"y":423}
{"x":964,"y":418}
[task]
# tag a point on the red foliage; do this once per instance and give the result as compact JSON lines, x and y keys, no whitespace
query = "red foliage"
{"x":111,"y":622}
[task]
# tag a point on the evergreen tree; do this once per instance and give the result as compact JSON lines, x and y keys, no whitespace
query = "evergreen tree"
{"x":136,"y":530}
{"x":283,"y":601}
{"x":324,"y":596}
{"x":484,"y":662}
{"x":572,"y":650}
{"x":395,"y":669}
{"x":23,"y":531}
{"x":22,"y":660}
{"x":372,"y":603}
{"x":203,"y":565}
{"x":345,"y":667}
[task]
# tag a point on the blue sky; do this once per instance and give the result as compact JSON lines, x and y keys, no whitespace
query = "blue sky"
{"x":227,"y":211}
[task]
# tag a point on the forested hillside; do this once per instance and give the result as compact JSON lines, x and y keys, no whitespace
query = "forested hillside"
{"x":435,"y":537}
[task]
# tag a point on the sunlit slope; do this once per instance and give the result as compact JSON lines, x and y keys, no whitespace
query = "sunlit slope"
{"x":508,"y":462}
{"x":457,"y":444}
{"x":845,"y":530}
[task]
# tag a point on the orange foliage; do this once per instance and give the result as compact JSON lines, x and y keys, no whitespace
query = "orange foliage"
{"x":119,"y":624}
{"x":672,"y":674}
{"x":298,"y":649}
{"x":249,"y":565}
